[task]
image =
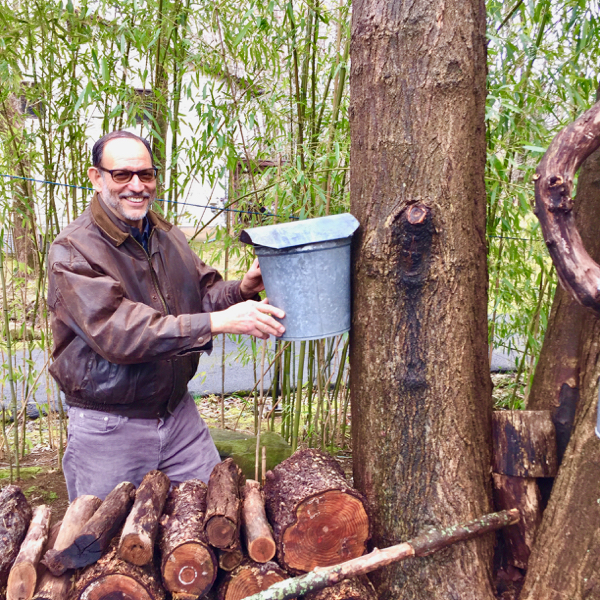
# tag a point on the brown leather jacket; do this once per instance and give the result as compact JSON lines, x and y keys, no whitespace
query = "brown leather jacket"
{"x":129,"y":326}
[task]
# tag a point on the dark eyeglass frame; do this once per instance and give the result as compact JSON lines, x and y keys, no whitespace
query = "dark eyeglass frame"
{"x":144,"y":175}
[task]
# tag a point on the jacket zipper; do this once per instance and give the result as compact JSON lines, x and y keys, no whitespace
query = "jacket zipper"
{"x":153,"y":273}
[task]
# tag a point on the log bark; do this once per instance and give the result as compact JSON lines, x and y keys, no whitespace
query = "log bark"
{"x":420,"y":381}
{"x":23,"y":575}
{"x":188,"y":565}
{"x":318,"y":519}
{"x":349,"y":589}
{"x":96,"y":534}
{"x":250,"y":578}
{"x":52,"y":537}
{"x":78,"y":513}
{"x":223,"y":505}
{"x":423,"y":545}
{"x":565,"y":560}
{"x":141,"y":526}
{"x":521,"y":493}
{"x":111,"y":578}
{"x":258,"y":535}
{"x":15,"y":515}
{"x":524,"y":443}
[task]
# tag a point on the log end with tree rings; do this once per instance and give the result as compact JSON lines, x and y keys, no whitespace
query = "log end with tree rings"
{"x":262,"y":549}
{"x":221,"y":531}
{"x":250,"y":578}
{"x":189,"y":570}
{"x":136,"y":550}
{"x":116,"y":587}
{"x":331,"y":527}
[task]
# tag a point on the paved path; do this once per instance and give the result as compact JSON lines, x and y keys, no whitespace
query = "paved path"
{"x":239,"y":373}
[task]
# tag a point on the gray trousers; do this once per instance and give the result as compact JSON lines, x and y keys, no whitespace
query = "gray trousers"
{"x":105,"y":449}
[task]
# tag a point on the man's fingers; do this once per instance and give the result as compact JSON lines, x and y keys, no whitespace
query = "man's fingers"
{"x":266,"y":308}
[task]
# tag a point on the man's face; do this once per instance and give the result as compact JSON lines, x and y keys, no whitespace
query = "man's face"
{"x":128,"y":201}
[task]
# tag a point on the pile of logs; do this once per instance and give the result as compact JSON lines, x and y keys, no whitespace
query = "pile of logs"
{"x":228,"y":539}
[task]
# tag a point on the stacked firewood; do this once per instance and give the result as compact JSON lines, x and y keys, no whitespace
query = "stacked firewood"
{"x":227,"y":540}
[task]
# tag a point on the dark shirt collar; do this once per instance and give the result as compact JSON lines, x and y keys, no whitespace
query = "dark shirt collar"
{"x":142,"y":235}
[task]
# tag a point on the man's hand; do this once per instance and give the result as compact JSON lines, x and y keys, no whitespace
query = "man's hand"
{"x":252,"y":283}
{"x":250,"y":317}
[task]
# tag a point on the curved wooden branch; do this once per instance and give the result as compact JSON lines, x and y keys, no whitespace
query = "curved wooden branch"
{"x":576,"y":270}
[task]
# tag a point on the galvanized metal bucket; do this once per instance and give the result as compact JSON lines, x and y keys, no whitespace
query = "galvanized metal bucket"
{"x":306,"y":271}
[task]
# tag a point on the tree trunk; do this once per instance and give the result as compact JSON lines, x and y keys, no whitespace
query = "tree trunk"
{"x":250,"y":578}
{"x":114,"y":579}
{"x":556,"y":382}
{"x":421,"y":389}
{"x":188,"y":565}
{"x":78,"y":514}
{"x":15,"y":515}
{"x":141,"y":526}
{"x":349,"y":589}
{"x":96,"y":534}
{"x":318,"y":519}
{"x":23,"y":575}
{"x":224,"y":505}
{"x":257,"y":531}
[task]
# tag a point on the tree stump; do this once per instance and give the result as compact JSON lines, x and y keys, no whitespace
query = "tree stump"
{"x":141,"y":526}
{"x":188,"y":565}
{"x":80,"y":511}
{"x":349,"y":589}
{"x":524,"y":443}
{"x":258,"y":535}
{"x":111,"y":578}
{"x":318,"y":519}
{"x":522,"y":493}
{"x":23,"y":575}
{"x":15,"y":515}
{"x":96,"y":534}
{"x":250,"y":578}
{"x":223,"y":505}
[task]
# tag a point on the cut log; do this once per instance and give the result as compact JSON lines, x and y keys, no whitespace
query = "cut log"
{"x":223,"y":505}
{"x":257,"y":531}
{"x":23,"y":575}
{"x":250,"y":578}
{"x":522,"y":493}
{"x":349,"y":589}
{"x":15,"y":515}
{"x":96,"y":534}
{"x":80,"y":511}
{"x":524,"y":443}
{"x":141,"y":526}
{"x":111,"y":578}
{"x":318,"y":519}
{"x":188,"y":565}
{"x":230,"y":559}
{"x":52,"y":536}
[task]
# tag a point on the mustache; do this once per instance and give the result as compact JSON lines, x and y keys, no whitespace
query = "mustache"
{"x":134,"y":195}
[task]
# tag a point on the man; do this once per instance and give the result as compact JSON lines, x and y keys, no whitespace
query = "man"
{"x":132,"y":308}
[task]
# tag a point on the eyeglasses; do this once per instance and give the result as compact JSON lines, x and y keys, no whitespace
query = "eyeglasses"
{"x":125,"y":175}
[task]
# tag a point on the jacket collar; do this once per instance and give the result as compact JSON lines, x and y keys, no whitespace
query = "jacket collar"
{"x":114,"y":228}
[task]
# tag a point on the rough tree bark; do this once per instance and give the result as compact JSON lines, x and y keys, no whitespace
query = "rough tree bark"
{"x":565,"y":561}
{"x":556,"y":384}
{"x":421,"y":389}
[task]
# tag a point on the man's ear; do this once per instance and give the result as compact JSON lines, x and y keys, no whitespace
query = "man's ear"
{"x":96,"y":178}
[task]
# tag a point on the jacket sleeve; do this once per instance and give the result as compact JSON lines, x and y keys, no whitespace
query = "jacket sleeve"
{"x":93,"y":305}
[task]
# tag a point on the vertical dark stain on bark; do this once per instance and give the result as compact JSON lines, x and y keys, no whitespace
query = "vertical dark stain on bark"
{"x":412,"y":233}
{"x":564,"y":417}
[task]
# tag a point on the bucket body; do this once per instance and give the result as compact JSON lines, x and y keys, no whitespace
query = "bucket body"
{"x":311,"y":283}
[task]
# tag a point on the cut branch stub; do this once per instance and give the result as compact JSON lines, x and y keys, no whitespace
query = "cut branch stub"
{"x":577,"y":271}
{"x":318,"y":519}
